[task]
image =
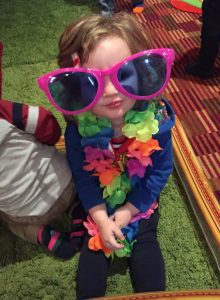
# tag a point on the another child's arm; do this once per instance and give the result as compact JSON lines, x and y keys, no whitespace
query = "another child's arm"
{"x":32,"y":119}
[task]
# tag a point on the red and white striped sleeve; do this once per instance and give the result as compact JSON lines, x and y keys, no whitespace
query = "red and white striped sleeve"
{"x":32,"y":119}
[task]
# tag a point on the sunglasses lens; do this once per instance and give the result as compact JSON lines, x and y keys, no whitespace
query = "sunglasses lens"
{"x":144,"y":75}
{"x":73,"y":91}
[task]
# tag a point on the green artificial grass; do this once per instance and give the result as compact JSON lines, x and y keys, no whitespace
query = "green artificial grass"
{"x":30,"y":32}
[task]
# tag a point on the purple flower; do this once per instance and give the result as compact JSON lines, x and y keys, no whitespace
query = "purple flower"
{"x":97,"y":154}
{"x":135,"y":168}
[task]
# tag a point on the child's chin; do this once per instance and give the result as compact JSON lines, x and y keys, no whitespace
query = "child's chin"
{"x":114,"y":115}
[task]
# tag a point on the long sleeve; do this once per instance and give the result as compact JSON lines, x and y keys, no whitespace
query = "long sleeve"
{"x":32,"y":119}
{"x":87,"y":186}
{"x":150,"y":187}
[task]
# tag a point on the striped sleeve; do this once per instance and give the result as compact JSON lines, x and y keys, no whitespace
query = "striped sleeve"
{"x":32,"y":119}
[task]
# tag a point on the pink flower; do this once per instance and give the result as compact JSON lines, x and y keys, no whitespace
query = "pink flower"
{"x":97,"y":154}
{"x":135,"y":168}
{"x":91,"y":226}
{"x":147,"y":214}
{"x":99,"y":166}
{"x":98,"y":160}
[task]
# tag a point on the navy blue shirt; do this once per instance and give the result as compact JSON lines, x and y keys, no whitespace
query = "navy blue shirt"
{"x":148,"y":189}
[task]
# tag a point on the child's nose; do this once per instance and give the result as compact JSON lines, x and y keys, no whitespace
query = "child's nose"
{"x":109,"y":88}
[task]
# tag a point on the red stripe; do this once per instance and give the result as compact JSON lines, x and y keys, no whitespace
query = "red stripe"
{"x":118,"y":140}
{"x":213,"y":145}
{"x":211,"y":126}
{"x":53,"y":240}
{"x":123,"y":148}
{"x":77,"y":234}
{"x":206,"y":163}
{"x":202,"y":143}
{"x":214,"y":162}
{"x":6,"y":110}
{"x":196,"y":144}
{"x":1,"y":51}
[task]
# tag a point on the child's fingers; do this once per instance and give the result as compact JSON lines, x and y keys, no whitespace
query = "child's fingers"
{"x":118,"y":234}
{"x":113,"y":244}
{"x":112,"y":217}
{"x":120,"y":226}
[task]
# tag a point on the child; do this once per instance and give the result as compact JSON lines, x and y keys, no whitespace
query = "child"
{"x":210,"y":39}
{"x":119,"y":147}
{"x":108,"y":7}
{"x":35,"y":180}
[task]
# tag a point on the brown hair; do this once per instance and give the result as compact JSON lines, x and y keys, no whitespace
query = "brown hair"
{"x":82,"y":35}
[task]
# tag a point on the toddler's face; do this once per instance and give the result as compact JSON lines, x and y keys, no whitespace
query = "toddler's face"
{"x":108,"y":52}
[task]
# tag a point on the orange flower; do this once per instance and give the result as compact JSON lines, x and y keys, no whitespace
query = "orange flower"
{"x":107,"y":176}
{"x":95,"y":243}
{"x":146,"y":148}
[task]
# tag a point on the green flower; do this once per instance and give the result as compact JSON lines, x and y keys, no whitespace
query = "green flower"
{"x":117,"y":190}
{"x":126,"y":250}
{"x":90,"y":125}
{"x":140,"y":125}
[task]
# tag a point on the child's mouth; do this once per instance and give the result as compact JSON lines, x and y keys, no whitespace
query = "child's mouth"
{"x":114,"y":104}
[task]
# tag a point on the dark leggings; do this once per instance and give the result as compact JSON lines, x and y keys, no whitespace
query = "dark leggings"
{"x":146,"y":264}
{"x":210,"y":34}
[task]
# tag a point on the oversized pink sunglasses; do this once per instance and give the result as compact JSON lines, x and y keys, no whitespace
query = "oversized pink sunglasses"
{"x":141,"y":76}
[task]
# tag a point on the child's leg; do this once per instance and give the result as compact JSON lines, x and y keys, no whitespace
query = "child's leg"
{"x":92,"y":273}
{"x":65,"y":245}
{"x":77,"y":215}
{"x":208,"y":52}
{"x":146,"y":263}
{"x":137,"y":6}
{"x":27,"y":232}
{"x":107,"y":7}
{"x":62,"y":245}
{"x":35,"y":229}
{"x":62,"y":204}
{"x":210,"y":42}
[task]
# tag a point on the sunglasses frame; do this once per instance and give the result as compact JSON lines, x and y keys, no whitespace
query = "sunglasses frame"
{"x":44,"y":80}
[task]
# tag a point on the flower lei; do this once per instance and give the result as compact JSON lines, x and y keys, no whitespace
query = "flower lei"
{"x":117,"y":176}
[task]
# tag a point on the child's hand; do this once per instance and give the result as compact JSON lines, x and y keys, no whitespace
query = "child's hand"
{"x":124,"y":214}
{"x":109,"y":232}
